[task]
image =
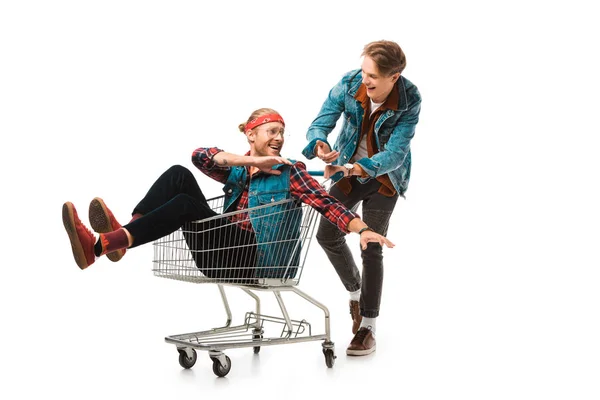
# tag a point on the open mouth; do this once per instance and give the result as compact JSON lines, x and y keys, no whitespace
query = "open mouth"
{"x":275,"y":147}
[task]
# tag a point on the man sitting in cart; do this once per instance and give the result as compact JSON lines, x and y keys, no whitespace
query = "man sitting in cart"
{"x":175,"y":201}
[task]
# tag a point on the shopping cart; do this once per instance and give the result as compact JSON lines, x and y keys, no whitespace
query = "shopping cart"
{"x":219,"y":250}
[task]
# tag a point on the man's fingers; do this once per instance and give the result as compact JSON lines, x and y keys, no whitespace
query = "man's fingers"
{"x":332,"y":156}
{"x":329,"y":157}
{"x":382,"y":240}
{"x":322,"y":149}
{"x":281,"y":160}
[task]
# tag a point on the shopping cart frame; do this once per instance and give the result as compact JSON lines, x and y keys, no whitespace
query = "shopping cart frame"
{"x":252,"y":332}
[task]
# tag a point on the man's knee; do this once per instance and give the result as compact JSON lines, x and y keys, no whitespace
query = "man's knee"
{"x":179,"y":170}
{"x":373,"y":252}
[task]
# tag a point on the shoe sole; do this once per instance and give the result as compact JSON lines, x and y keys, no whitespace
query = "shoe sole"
{"x":100,"y":222}
{"x":360,"y":352}
{"x":69,"y":223}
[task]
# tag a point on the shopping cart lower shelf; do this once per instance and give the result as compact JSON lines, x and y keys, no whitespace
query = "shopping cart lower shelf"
{"x":214,"y":250}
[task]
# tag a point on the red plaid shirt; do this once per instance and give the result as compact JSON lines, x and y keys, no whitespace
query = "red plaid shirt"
{"x":303,"y":187}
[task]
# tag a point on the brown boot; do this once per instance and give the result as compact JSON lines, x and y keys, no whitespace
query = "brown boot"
{"x":356,"y":317}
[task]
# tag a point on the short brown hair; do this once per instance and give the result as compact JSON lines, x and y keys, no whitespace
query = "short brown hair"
{"x":388,"y":56}
{"x":254,"y":115}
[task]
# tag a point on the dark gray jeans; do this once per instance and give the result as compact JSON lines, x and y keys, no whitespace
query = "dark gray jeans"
{"x":376,"y":212}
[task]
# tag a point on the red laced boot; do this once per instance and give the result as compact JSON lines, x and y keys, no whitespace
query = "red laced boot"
{"x":82,"y":239}
{"x":103,"y":221}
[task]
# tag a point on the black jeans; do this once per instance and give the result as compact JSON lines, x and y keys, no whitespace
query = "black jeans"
{"x":175,"y":201}
{"x":377,"y":210}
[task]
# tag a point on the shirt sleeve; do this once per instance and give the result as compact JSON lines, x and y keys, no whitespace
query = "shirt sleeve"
{"x":202,"y":158}
{"x":306,"y":189}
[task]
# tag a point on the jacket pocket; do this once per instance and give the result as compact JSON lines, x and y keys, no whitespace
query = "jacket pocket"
{"x":270,"y":197}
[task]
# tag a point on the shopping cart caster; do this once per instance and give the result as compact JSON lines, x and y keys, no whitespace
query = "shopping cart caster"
{"x":257,"y":334}
{"x":187,"y":357}
{"x":221,"y":363}
{"x":329,"y":357}
{"x":329,"y":352}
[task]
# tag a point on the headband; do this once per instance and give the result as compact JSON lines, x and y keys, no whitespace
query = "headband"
{"x":263,"y":119}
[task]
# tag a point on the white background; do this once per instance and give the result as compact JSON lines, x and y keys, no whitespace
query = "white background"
{"x":492,"y":289}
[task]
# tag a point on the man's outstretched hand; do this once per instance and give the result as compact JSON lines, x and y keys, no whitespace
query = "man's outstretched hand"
{"x":323,"y":151}
{"x":266,"y":163}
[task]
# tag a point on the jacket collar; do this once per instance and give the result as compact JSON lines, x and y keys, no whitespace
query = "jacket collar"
{"x":356,"y":82}
{"x":390,"y":103}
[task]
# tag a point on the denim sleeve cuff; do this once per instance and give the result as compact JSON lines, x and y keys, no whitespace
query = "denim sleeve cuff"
{"x":309,"y":150}
{"x":369,"y":166}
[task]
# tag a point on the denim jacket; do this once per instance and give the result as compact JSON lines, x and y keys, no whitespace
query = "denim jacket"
{"x":277,"y":227}
{"x":393,"y":130}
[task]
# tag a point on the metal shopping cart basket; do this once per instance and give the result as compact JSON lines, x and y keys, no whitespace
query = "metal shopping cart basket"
{"x":219,"y":250}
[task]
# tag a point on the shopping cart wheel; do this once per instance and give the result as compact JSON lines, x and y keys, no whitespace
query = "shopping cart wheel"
{"x":185,"y":361}
{"x":219,"y":369}
{"x":257,"y":335}
{"x":329,"y":357}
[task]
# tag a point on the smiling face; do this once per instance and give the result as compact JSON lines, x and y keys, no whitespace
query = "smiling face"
{"x":378,"y":86}
{"x":266,"y":139}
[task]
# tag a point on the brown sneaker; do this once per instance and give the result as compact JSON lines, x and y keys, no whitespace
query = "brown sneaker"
{"x":356,"y":317}
{"x":103,"y":221}
{"x":362,"y":344}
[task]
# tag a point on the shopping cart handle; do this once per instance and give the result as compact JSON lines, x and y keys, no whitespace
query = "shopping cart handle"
{"x":331,"y":180}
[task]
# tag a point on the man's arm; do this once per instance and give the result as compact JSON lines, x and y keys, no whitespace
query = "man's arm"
{"x":203,"y":159}
{"x":306,"y":189}
{"x":263,"y":163}
{"x":215,"y":163}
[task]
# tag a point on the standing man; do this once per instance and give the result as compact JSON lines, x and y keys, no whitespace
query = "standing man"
{"x":381,"y":109}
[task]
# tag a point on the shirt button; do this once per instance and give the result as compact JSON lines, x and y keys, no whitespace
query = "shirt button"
{"x":229,"y":191}
{"x":355,"y":142}
{"x":345,"y":157}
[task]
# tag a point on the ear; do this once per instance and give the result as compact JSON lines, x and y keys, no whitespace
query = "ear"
{"x":395,"y":77}
{"x":251,"y":135}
